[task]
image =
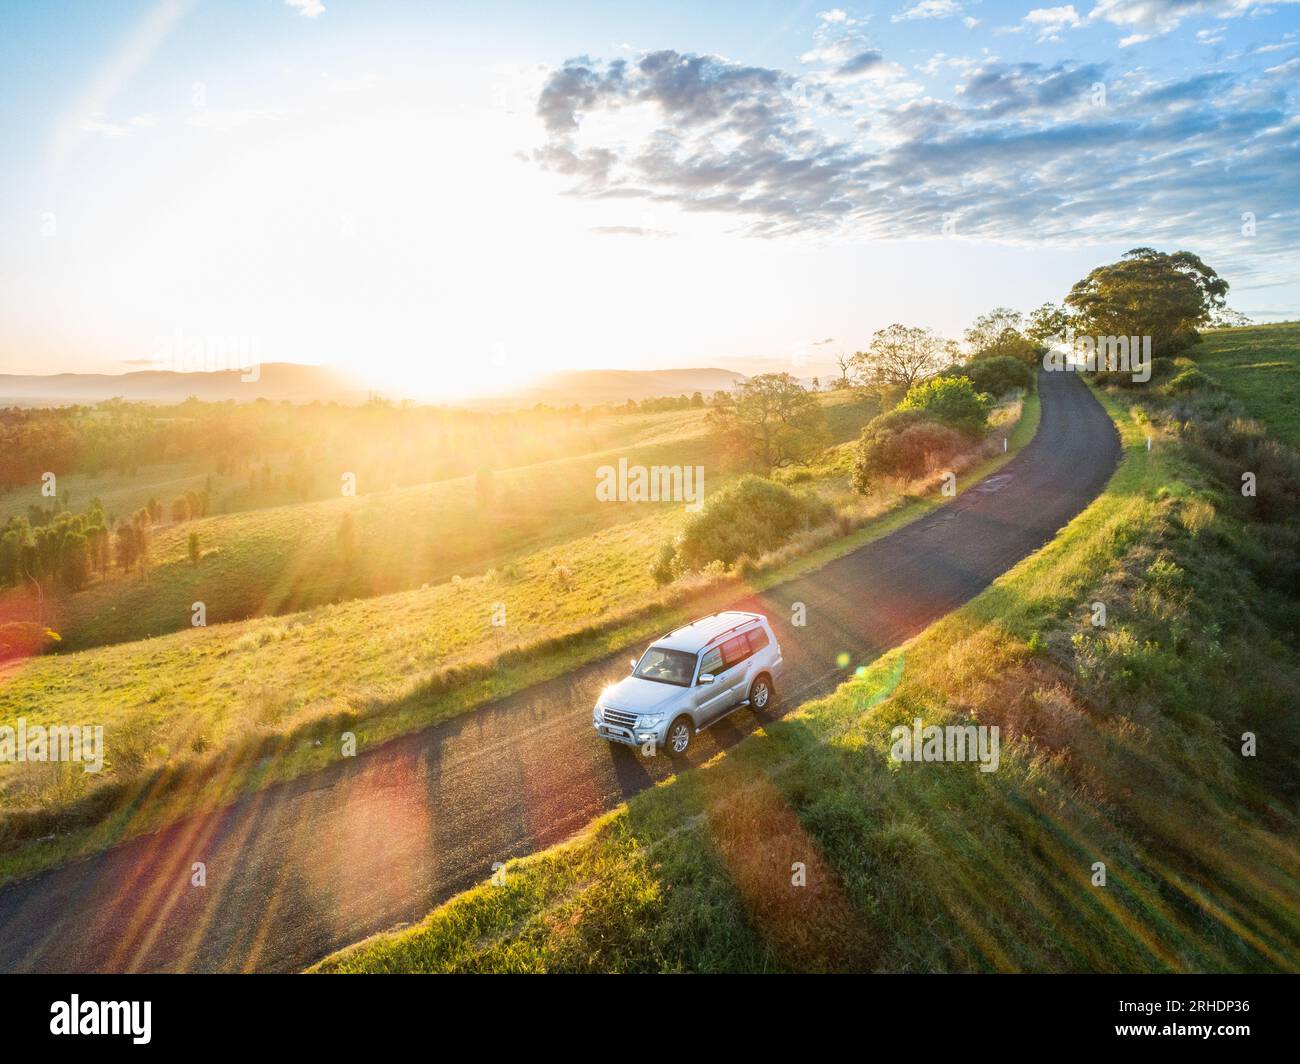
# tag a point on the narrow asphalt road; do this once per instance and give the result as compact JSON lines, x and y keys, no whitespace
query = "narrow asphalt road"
{"x":304,"y":868}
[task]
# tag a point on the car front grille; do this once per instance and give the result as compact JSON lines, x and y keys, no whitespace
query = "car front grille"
{"x":619,"y":717}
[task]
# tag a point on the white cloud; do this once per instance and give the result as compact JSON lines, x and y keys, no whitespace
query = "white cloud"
{"x":1050,"y":22}
{"x":928,"y":9}
{"x":307,"y":8}
{"x":939,"y":60}
{"x":1285,"y":41}
{"x":1150,"y":18}
{"x":839,"y":43}
{"x":1003,"y":151}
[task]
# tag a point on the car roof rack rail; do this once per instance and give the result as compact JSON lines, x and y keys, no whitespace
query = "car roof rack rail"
{"x":750,"y":619}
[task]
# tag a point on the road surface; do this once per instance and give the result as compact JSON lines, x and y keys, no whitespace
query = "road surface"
{"x":304,"y":868}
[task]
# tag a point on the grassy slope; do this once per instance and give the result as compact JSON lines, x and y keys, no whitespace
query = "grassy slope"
{"x":533,"y":443}
{"x":283,"y":559}
{"x":213,"y":703}
{"x":286,"y":558}
{"x":1120,"y":745}
{"x":1258,"y":365}
{"x":120,"y":494}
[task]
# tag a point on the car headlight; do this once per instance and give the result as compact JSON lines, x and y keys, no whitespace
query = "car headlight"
{"x":598,"y":714}
{"x":649,"y":722}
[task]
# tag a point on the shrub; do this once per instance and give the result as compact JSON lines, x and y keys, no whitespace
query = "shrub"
{"x":996,"y":376}
{"x":951,"y":400}
{"x":22,"y":639}
{"x":1229,"y":446}
{"x":1189,"y":378}
{"x":887,"y":451}
{"x":664,"y":569}
{"x":749,"y":516}
{"x":896,"y":421}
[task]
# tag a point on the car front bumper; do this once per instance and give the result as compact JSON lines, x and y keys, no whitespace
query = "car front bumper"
{"x":629,"y":735}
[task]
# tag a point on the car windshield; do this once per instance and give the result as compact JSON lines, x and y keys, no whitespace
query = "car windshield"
{"x":676,"y":667}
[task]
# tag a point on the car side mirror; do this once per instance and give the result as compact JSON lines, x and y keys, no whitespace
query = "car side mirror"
{"x":707,"y":677}
{"x":634,"y":664}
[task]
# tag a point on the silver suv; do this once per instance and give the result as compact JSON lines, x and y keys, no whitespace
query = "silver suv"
{"x":690,"y":679}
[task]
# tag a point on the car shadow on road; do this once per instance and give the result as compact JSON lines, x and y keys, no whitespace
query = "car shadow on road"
{"x":631,"y":769}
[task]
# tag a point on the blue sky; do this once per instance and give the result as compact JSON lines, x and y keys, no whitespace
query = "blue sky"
{"x":442,"y":193}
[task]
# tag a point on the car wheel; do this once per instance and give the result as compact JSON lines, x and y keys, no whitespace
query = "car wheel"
{"x":761,"y":693}
{"x":679,"y":736}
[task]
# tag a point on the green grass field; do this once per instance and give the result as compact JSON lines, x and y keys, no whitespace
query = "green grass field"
{"x":1122,"y":745}
{"x":211,"y":704}
{"x":1258,"y":366}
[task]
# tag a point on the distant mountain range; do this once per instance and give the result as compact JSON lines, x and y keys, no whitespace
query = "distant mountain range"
{"x":275,"y":381}
{"x":279,"y":381}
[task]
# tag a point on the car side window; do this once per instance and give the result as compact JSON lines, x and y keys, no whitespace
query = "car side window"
{"x":757,"y":640}
{"x":734,"y":651}
{"x":711,"y":662}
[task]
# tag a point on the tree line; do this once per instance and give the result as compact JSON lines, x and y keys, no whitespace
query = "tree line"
{"x":66,"y":549}
{"x":934,"y":390}
{"x":1167,"y":296}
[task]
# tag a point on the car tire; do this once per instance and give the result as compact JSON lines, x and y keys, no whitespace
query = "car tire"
{"x":761,"y":693}
{"x":678,"y":739}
